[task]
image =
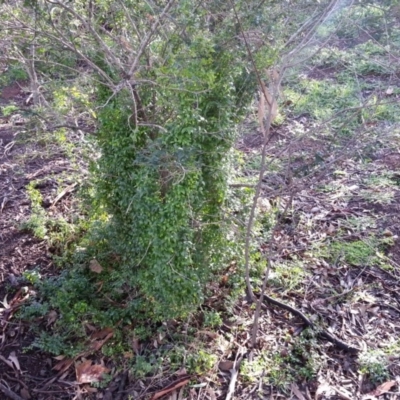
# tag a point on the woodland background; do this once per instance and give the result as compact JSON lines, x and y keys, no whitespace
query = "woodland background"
{"x":199,"y":199}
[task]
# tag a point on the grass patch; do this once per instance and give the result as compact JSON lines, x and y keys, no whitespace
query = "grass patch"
{"x":8,"y":110}
{"x":322,"y":99}
{"x":61,"y":235}
{"x":288,"y":276}
{"x":356,"y":253}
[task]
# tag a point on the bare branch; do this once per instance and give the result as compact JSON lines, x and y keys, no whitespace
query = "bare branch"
{"x":147,"y":38}
{"x":89,"y":28}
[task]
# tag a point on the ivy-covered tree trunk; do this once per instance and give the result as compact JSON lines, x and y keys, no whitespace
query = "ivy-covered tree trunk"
{"x":162,"y":175}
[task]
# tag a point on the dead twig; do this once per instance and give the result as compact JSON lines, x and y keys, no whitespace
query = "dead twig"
{"x":9,"y":393}
{"x":66,"y":191}
{"x":234,"y":376}
{"x":120,"y":392}
{"x":267,"y":137}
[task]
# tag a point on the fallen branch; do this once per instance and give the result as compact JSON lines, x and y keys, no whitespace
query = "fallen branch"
{"x":321,"y":333}
{"x":232,"y":383}
{"x":234,"y":375}
{"x":182,"y":381}
{"x":250,"y":186}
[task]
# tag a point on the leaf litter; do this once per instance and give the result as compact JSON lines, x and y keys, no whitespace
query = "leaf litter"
{"x":351,"y":290}
{"x":86,"y":372}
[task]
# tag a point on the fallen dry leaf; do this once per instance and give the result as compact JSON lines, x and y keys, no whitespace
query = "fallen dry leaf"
{"x":331,"y":229}
{"x":25,"y":394}
{"x":344,"y":394}
{"x":296,"y":391}
{"x":5,"y":303}
{"x":95,"y":266}
{"x":382,"y":389}
{"x":211,"y":393}
{"x":52,"y":316}
{"x":88,"y":373}
{"x":63,"y":365}
{"x":14,"y":360}
{"x":210,"y":334}
{"x":181,"y":372}
{"x":389,"y":91}
{"x":226,"y":365}
{"x":105,"y":334}
{"x":101,"y":334}
{"x":90,"y":389}
{"x":136,"y":345}
{"x":324,"y":388}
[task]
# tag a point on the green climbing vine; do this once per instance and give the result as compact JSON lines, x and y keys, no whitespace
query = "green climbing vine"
{"x":165,"y":187}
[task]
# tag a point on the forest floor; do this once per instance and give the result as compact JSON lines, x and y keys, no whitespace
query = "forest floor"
{"x":328,"y":221}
